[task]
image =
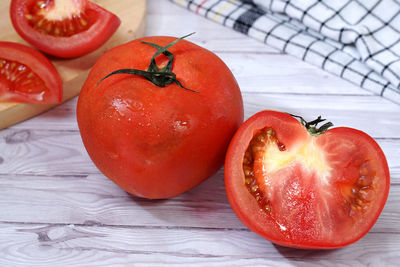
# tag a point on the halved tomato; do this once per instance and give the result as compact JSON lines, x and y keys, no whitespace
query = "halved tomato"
{"x":63,"y":28}
{"x":27,"y":76}
{"x":305,"y":187}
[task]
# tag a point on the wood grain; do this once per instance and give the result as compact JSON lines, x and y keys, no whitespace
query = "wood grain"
{"x":93,"y":199}
{"x":73,"y":71}
{"x":47,"y":244}
{"x":49,"y":152}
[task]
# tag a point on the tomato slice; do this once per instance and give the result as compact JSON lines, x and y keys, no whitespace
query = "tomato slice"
{"x":63,"y":28}
{"x":301,"y":190}
{"x":27,"y":76}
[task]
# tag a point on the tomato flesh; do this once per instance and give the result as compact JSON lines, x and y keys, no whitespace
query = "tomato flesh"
{"x":27,"y":76}
{"x":59,"y":19}
{"x":63,"y":28}
{"x":305,"y":191}
{"x":18,"y":78}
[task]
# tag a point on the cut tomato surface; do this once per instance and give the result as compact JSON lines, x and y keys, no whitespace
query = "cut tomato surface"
{"x":63,"y":28}
{"x":27,"y":76}
{"x":302,"y":190}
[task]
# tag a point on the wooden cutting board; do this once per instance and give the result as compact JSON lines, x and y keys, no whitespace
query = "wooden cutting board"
{"x":73,"y":71}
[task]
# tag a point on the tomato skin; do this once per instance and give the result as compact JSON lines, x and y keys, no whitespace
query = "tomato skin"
{"x":158,"y":142}
{"x":40,"y":65}
{"x":66,"y":47}
{"x":290,"y":132}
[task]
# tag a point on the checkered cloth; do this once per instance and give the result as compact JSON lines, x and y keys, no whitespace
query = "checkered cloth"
{"x":358,"y":40}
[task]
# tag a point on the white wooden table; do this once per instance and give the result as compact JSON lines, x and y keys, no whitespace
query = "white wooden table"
{"x":57,"y":209}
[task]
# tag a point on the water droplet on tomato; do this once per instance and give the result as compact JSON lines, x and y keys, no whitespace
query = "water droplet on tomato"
{"x":180,"y":125}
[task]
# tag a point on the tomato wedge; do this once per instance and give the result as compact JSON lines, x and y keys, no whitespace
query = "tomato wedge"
{"x":63,"y":28}
{"x":27,"y":76}
{"x":305,"y":187}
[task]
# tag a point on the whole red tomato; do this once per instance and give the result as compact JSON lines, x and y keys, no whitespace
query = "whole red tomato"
{"x":305,"y":187}
{"x":158,"y":141}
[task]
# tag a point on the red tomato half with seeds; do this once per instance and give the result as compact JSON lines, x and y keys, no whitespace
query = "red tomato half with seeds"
{"x":27,"y":76}
{"x":63,"y":28}
{"x":164,"y":129}
{"x":305,"y":187}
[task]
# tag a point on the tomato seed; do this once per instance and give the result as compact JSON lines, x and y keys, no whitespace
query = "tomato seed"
{"x":281,"y":147}
{"x":261,"y":138}
{"x":62,"y":28}
{"x":267,"y":208}
{"x":365,"y":169}
{"x":248,"y":171}
{"x":20,"y":76}
{"x":255,"y":150}
{"x":270,"y":132}
{"x":83,"y":22}
{"x":366,"y":194}
{"x":364,"y":180}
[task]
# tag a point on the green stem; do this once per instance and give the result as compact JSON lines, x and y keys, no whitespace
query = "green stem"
{"x":159,"y":77}
{"x":311,"y":126}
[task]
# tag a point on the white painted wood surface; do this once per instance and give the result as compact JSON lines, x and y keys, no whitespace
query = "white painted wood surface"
{"x":56,"y":209}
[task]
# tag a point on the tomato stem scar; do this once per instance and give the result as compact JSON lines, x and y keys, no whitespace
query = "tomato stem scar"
{"x":159,"y":77}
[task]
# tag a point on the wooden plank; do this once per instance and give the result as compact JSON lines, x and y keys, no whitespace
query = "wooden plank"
{"x":93,"y":199}
{"x":46,"y":152}
{"x":73,"y":71}
{"x":265,"y":73}
{"x":43,"y":152}
{"x":69,"y":244}
{"x":371,"y":114}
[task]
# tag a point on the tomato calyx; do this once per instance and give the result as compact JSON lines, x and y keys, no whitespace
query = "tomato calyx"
{"x":311,"y":126}
{"x":159,"y":77}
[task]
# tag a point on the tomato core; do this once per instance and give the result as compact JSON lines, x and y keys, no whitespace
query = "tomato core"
{"x":19,"y":78}
{"x":59,"y":18}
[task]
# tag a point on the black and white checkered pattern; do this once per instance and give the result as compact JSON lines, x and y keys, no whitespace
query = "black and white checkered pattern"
{"x":358,"y":40}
